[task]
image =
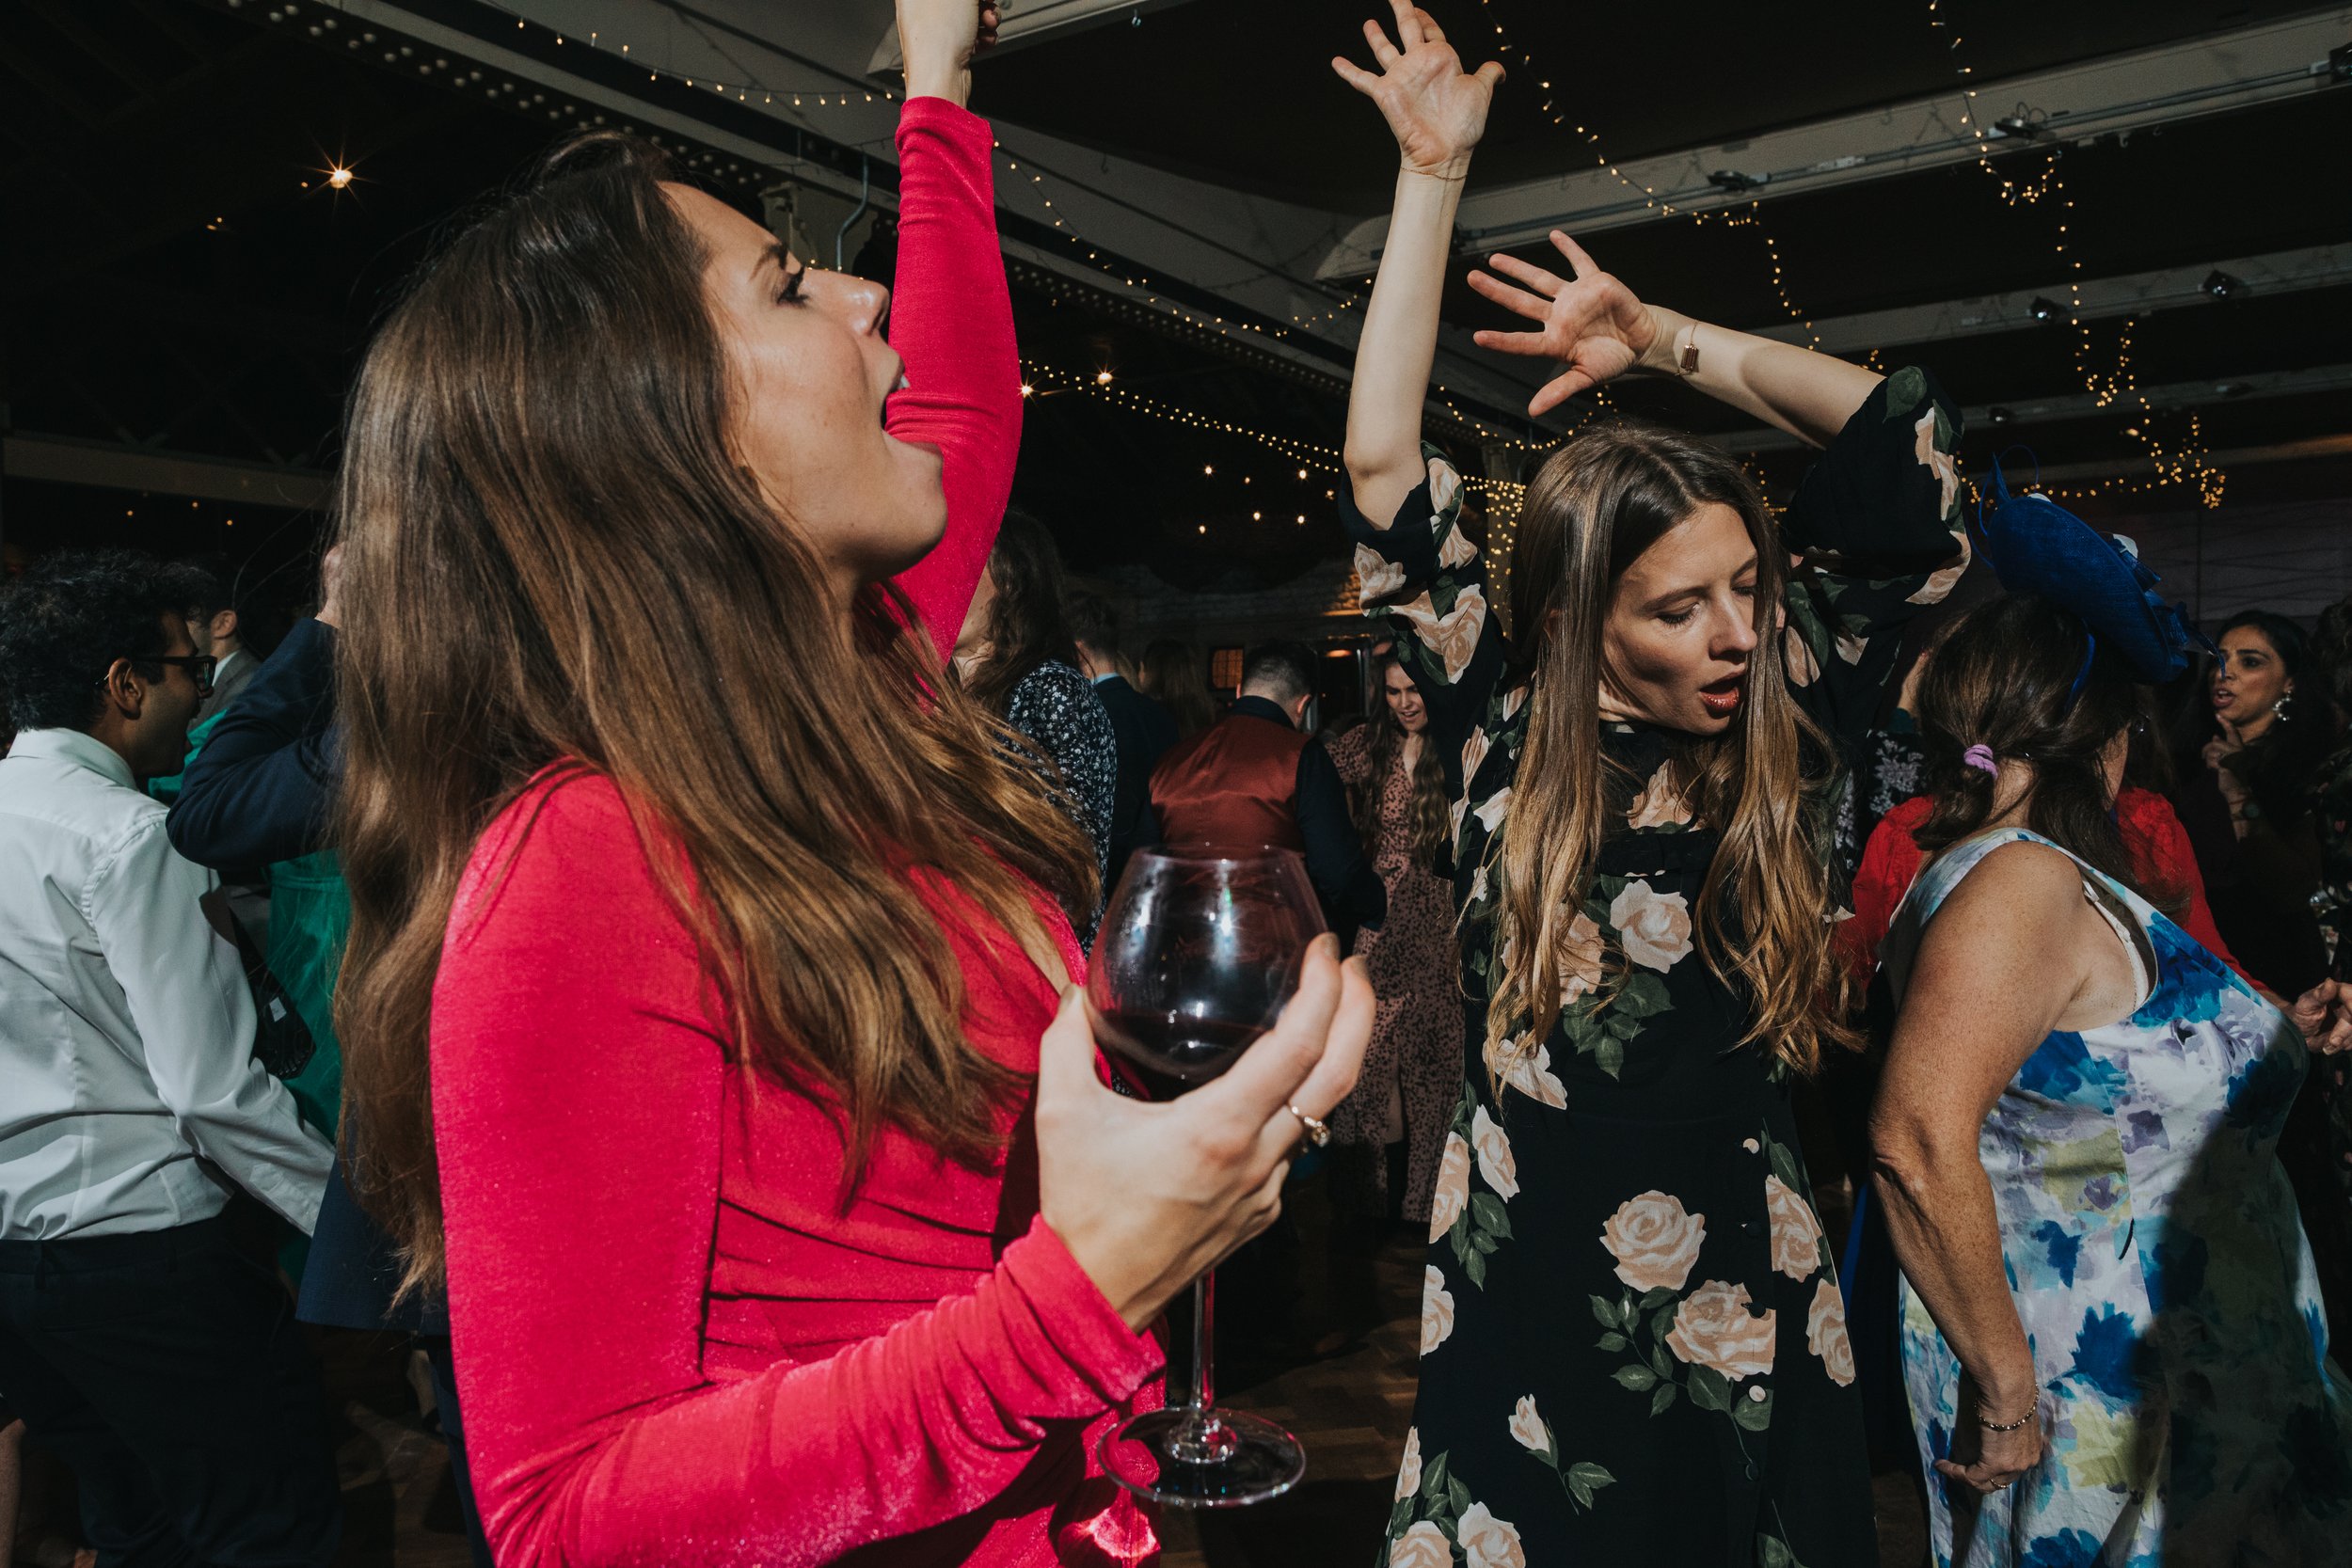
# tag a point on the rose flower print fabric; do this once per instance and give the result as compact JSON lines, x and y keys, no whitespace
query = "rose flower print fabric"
{"x":1633,"y":1348}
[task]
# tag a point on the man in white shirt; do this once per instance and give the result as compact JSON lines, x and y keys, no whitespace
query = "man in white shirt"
{"x":135,"y":1340}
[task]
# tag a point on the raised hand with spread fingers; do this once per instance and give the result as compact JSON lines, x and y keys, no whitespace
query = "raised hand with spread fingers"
{"x":1437,"y":110}
{"x":1589,"y":322}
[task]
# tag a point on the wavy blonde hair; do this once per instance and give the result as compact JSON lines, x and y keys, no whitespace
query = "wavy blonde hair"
{"x":550,"y":556}
{"x":1590,"y":512}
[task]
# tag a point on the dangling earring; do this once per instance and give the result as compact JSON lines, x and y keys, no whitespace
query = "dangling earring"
{"x":2279,"y":709}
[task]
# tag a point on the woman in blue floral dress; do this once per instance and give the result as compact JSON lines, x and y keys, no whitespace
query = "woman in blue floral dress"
{"x":2112,"y":1337}
{"x":1633,"y":1350}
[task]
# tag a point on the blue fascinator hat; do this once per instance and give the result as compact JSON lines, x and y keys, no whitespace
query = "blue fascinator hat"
{"x":2035,"y":546}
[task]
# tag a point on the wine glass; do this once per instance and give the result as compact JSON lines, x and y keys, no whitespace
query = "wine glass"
{"x":1199,"y":949}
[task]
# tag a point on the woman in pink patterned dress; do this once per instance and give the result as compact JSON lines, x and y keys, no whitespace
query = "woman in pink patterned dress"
{"x":1413,"y":1067}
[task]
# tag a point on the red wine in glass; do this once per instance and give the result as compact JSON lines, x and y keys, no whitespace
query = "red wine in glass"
{"x":1199,"y":949}
{"x":1165,"y":1053}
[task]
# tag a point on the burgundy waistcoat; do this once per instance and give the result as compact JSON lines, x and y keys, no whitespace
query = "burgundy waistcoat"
{"x":1234,"y":782}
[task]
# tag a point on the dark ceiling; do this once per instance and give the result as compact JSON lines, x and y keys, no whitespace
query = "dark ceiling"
{"x":180,"y":280}
{"x":1242,"y":91}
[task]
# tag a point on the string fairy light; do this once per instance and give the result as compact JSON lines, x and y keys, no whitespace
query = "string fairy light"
{"x":1754,"y":218}
{"x":1751,"y":218}
{"x":2186,"y":465}
{"x":1309,"y":457}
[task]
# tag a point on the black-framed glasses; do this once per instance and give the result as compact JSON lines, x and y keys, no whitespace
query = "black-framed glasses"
{"x":200,"y":668}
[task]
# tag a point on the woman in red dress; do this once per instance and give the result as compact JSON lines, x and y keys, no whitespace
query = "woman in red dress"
{"x":703,"y":957}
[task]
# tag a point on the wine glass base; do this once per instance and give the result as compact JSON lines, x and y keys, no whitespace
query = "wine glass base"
{"x":1194,"y":1459}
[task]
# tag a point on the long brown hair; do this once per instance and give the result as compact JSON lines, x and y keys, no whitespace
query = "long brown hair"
{"x":1591,"y":511}
{"x":1172,"y":675}
{"x":551,"y":554}
{"x":1026,"y":623}
{"x":1425,"y":819}
{"x":2006,"y":678}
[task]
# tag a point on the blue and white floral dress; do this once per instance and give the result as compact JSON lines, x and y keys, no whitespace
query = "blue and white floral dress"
{"x":2160,"y":1270}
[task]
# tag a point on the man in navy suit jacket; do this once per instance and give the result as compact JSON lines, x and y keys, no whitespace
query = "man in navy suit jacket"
{"x":1142,"y":729}
{"x":260,"y":791}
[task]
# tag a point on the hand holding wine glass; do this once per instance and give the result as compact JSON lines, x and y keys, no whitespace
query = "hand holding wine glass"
{"x":1215,"y":987}
{"x":1149,"y":1196}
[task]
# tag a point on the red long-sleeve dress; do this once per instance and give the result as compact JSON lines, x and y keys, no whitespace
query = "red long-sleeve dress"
{"x":2160,"y":849}
{"x":673,"y":1345}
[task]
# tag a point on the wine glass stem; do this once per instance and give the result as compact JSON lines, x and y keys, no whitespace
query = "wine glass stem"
{"x":1203,"y":1364}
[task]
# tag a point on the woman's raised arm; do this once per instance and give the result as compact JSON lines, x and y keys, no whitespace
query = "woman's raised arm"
{"x":951,"y":320}
{"x":1597,"y":328}
{"x":1437,"y":113}
{"x":1996,"y":970}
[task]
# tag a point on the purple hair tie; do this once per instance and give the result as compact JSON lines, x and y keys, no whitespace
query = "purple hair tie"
{"x":1980,"y":756}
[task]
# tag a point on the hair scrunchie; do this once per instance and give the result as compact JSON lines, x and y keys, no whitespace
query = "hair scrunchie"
{"x":1980,"y":756}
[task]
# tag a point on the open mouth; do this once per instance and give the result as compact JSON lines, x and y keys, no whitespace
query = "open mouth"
{"x":1722,"y":698}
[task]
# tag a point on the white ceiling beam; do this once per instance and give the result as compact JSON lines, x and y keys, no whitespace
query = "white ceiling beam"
{"x":2151,"y":87}
{"x":1029,"y":22}
{"x":2227,"y":457}
{"x":118,"y":465}
{"x":2201,"y":393}
{"x":2281,"y":272}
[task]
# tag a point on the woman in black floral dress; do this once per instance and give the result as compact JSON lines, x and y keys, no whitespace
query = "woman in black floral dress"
{"x":1633,"y":1350}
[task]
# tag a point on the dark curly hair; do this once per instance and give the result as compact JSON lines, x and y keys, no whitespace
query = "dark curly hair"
{"x":65,"y":621}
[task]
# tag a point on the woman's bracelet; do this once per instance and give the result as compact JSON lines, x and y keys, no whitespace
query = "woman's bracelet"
{"x":2007,"y":1426}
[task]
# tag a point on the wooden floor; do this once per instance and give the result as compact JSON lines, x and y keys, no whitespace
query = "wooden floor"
{"x":1350,"y":1409}
{"x":400,"y":1510}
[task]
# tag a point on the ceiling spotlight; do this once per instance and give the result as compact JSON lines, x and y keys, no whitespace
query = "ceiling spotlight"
{"x":1732,"y":180}
{"x":2044,"y":308}
{"x":1102,"y":378}
{"x":2018,"y":126}
{"x":2221,"y":285}
{"x":1999,"y":414}
{"x":338,"y":178}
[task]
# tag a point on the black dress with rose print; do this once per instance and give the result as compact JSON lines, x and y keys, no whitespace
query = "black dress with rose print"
{"x":1633,"y":1350}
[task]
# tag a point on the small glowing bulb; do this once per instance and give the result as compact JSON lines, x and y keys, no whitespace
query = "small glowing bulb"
{"x":1102,"y":378}
{"x":1257,"y":516}
{"x":338,"y":178}
{"x":1209,"y":469}
{"x":1028,"y":391}
{"x":1302,"y":473}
